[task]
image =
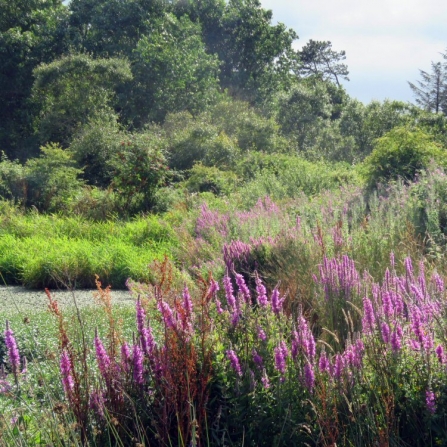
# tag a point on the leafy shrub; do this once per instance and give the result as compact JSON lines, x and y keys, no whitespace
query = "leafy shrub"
{"x":93,"y":147}
{"x":202,"y":142}
{"x":12,"y":180}
{"x":139,"y":168}
{"x":401,"y":153}
{"x":251,"y":130}
{"x":210,"y":178}
{"x":281,"y":176}
{"x":48,"y":182}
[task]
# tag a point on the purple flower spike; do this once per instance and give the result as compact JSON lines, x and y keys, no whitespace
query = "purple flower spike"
{"x":214,"y":288}
{"x":430,"y":401}
{"x":280,"y":359}
{"x":257,"y":359}
{"x":66,"y":373}
{"x":166,"y":311}
{"x":125,"y":357}
{"x":219,"y":307}
{"x":261,"y":334}
{"x":243,"y":289}
{"x":396,"y":337}
{"x":13,"y":352}
{"x":309,"y":377}
{"x":138,"y":365}
{"x":187,"y":302}
{"x":323,"y":363}
{"x":261,"y":292}
{"x":338,"y":366}
{"x":277,"y":302}
{"x":385,"y":329}
{"x":102,"y":357}
{"x":368,"y":321}
{"x":229,"y":295}
{"x":234,"y":360}
{"x":440,"y":354}
{"x":265,"y":380}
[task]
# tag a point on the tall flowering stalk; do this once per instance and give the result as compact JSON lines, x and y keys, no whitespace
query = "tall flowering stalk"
{"x":13,"y":352}
{"x":66,"y":371}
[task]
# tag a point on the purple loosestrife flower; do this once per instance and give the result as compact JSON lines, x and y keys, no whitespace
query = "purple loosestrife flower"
{"x":428,"y":342}
{"x":146,"y":338}
{"x":243,"y":289}
{"x":261,"y":293}
{"x":125,"y":357}
{"x":66,"y":373}
{"x":440,"y":354}
{"x":439,"y":283}
{"x":339,"y":365}
{"x":257,"y":359}
{"x":229,"y":295}
{"x":409,"y":269}
{"x":280,"y":360}
{"x":219,"y":307}
{"x":138,"y":365}
{"x":277,"y":302}
{"x":141,"y":316}
{"x":187,"y":302}
{"x":309,"y":377}
{"x":385,"y":329}
{"x":96,"y":403}
{"x":396,"y":338}
{"x":323,"y":363}
{"x":416,"y":324}
{"x":234,"y":361}
{"x":417,"y":292}
{"x":102,"y":357}
{"x":13,"y":352}
{"x":5,"y":387}
{"x":358,"y":350}
{"x":387,"y":304}
{"x":261,"y":334}
{"x":368,"y":321}
{"x":430,"y":401}
{"x":265,"y":380}
{"x":166,"y":311}
{"x":214,"y":288}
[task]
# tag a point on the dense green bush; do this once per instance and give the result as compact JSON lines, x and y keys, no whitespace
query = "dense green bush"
{"x":204,"y":178}
{"x":401,"y":153}
{"x":48,"y":182}
{"x":202,"y":142}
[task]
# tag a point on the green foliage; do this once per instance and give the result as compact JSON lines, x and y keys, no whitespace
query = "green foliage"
{"x":210,"y":179}
{"x":284,"y":176}
{"x":52,"y":179}
{"x":401,"y":153}
{"x":31,"y":32}
{"x":12,"y":180}
{"x":94,"y":146}
{"x":191,"y":141}
{"x":247,"y":126}
{"x":172,"y":71}
{"x":139,"y":168}
{"x":72,"y":90}
{"x":48,"y":182}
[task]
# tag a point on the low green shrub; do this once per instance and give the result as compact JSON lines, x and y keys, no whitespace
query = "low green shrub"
{"x":401,"y":153}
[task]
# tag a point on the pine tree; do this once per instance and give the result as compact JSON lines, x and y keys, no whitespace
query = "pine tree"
{"x":431,"y":90}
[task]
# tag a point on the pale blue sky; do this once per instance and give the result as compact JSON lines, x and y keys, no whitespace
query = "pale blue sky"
{"x":386,"y":41}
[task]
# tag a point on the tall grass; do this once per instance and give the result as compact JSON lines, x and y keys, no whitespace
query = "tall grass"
{"x":41,"y":251}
